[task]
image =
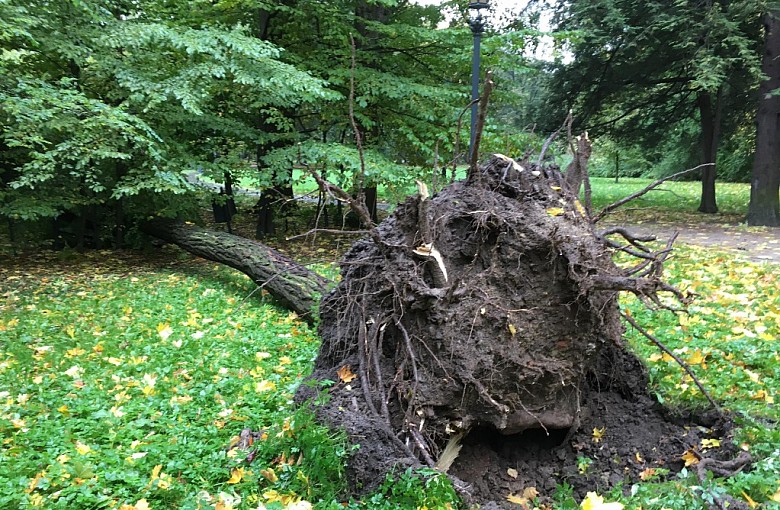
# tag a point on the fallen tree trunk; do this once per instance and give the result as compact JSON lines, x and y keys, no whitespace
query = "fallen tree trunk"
{"x":291,"y":284}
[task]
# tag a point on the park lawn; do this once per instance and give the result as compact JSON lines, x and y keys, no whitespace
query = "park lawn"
{"x":671,"y":202}
{"x":124,"y":382}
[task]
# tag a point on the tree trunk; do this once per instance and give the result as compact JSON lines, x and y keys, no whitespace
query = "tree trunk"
{"x":710,"y":133}
{"x":370,"y":193}
{"x":293,"y":285}
{"x":764,"y":208}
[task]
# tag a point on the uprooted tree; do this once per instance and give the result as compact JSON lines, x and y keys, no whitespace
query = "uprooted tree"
{"x":481,"y":319}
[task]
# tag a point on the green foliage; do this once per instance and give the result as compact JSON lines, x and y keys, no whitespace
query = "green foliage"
{"x":108,"y":105}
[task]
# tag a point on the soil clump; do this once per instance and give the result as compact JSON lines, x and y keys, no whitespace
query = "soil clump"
{"x":478,"y":332}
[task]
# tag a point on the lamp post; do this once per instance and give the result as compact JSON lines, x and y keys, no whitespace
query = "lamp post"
{"x":477,"y":25}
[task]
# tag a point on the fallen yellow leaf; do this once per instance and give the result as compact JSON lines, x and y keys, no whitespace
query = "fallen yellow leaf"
{"x":345,"y":374}
{"x":710,"y":443}
{"x":164,"y":330}
{"x":512,"y":472}
{"x":751,"y":503}
{"x":512,"y":329}
{"x":518,"y":500}
{"x":530,"y":492}
{"x":647,"y":474}
{"x":82,"y":448}
{"x":263,"y":386}
{"x":690,"y":458}
{"x":236,"y":475}
{"x":593,"y":501}
{"x":269,"y":474}
{"x":555,"y":211}
{"x":598,"y":434}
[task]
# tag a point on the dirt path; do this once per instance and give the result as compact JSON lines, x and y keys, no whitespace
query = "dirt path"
{"x":754,"y":244}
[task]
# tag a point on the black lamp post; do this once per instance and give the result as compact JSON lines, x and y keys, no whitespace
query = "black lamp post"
{"x":477,"y":25}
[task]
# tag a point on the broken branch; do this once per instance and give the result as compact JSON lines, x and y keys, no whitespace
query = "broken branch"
{"x":611,"y":207}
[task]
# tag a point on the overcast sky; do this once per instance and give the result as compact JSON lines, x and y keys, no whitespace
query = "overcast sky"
{"x":497,"y":6}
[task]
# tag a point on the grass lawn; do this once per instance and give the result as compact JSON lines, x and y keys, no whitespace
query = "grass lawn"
{"x":126,"y":382}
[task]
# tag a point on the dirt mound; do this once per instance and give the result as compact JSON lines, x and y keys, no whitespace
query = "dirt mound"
{"x":485,"y":318}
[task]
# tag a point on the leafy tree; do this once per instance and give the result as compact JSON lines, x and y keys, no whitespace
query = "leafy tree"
{"x":106,"y":105}
{"x":640,"y":68}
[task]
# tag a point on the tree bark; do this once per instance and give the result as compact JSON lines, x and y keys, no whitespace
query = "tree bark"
{"x":290,"y":283}
{"x":764,"y":208}
{"x":710,"y":131}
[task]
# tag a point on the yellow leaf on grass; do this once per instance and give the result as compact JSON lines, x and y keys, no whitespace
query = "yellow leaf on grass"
{"x":270,"y":475}
{"x":141,"y":504}
{"x":593,"y":501}
{"x":236,"y":475}
{"x":555,"y":211}
{"x":776,"y":496}
{"x":285,"y":360}
{"x":763,"y":395}
{"x":76,"y":351}
{"x":82,"y":448}
{"x":346,"y":374}
{"x":263,"y":386}
{"x":750,"y":502}
{"x":697,"y":358}
{"x":164,"y":330}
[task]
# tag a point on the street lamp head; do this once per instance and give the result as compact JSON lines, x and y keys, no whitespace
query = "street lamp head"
{"x":479,"y":5}
{"x":477,"y":23}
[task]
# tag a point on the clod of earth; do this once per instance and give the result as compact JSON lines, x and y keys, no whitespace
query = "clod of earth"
{"x":482,"y":330}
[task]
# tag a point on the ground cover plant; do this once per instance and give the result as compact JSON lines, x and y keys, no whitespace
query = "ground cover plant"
{"x":126,"y":381}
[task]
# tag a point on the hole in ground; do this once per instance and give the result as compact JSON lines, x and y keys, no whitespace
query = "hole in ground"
{"x":535,"y":458}
{"x":515,"y":446}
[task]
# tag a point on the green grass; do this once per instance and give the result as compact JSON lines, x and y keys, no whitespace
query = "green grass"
{"x":124,"y":382}
{"x":671,"y":199}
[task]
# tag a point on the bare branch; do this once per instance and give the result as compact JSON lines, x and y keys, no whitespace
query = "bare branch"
{"x":328,"y":231}
{"x":611,"y":207}
{"x":552,"y":137}
{"x":484,"y":100}
{"x":676,"y":358}
{"x":456,"y":154}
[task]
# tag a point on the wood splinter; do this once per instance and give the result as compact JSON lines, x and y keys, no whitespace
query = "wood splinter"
{"x":426,"y":248}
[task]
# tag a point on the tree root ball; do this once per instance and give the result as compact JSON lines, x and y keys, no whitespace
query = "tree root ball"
{"x":477,"y":317}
